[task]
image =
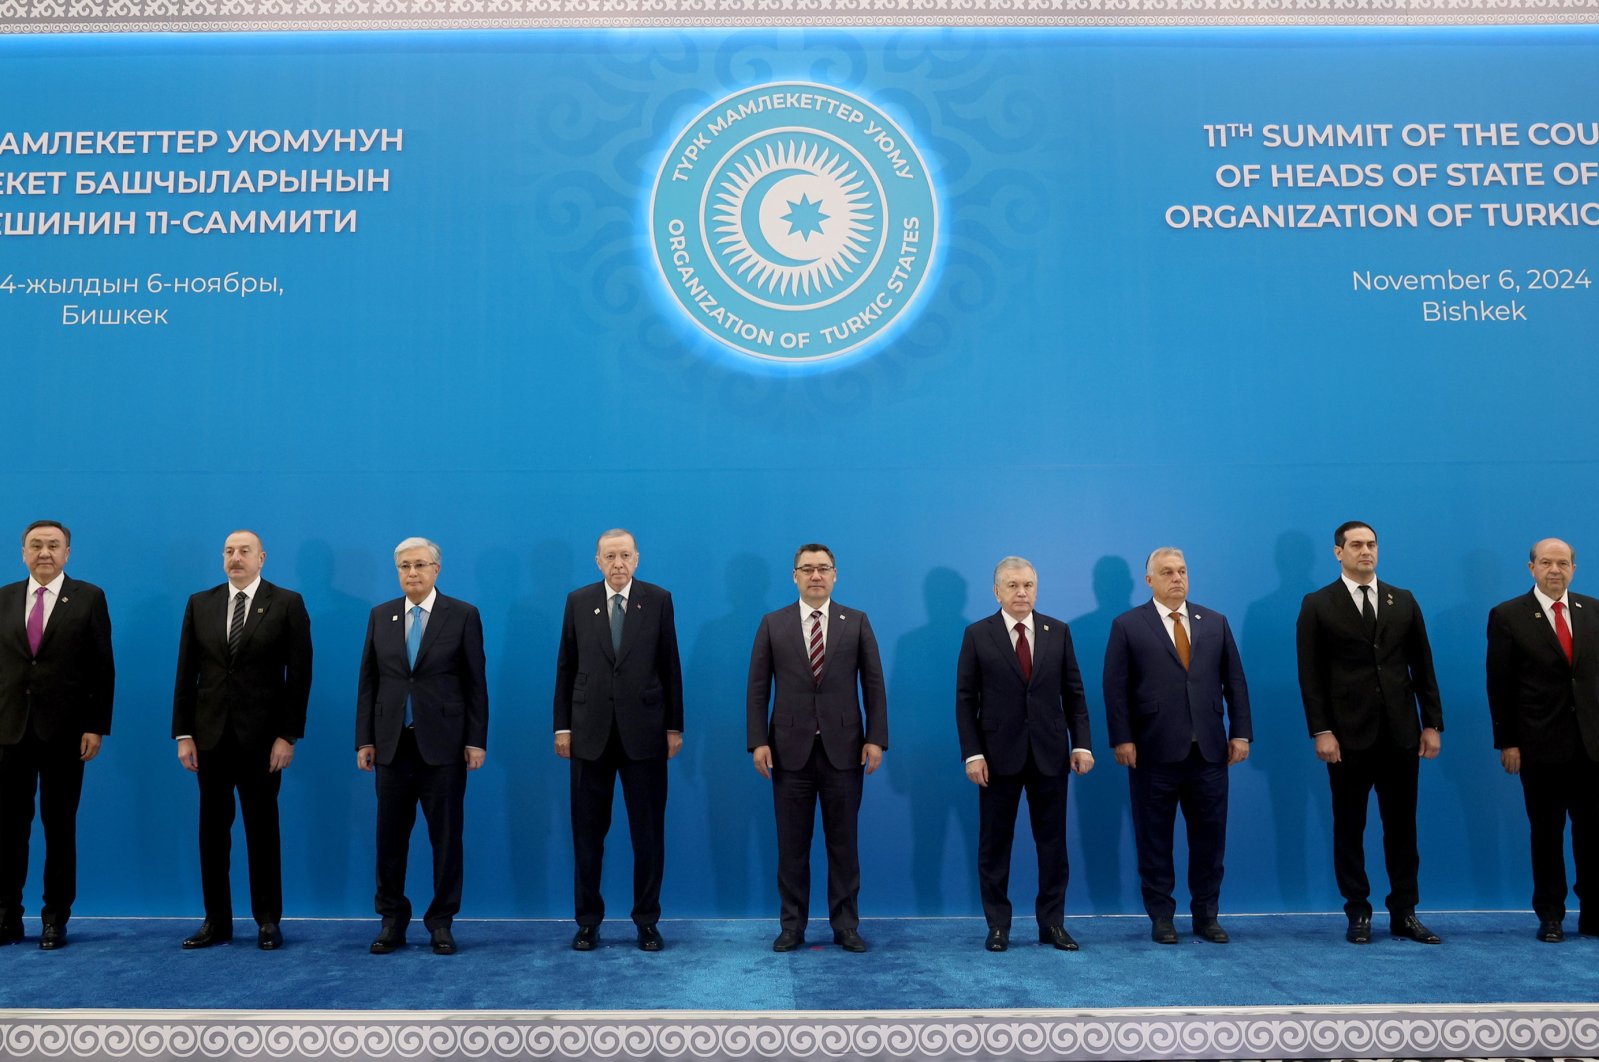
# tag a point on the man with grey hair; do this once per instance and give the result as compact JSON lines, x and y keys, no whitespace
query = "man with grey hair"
{"x":618,"y":712}
{"x":422,"y":722}
{"x":1169,"y":666}
{"x":1023,"y":724}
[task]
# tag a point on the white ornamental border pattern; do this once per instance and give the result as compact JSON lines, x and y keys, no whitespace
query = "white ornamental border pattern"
{"x":187,"y":16}
{"x":614,"y":1037}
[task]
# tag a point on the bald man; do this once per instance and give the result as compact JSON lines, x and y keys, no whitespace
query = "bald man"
{"x":1543,"y":692}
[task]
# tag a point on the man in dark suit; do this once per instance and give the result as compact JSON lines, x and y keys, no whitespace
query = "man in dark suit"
{"x":56,"y":685}
{"x":618,"y":711}
{"x":244,"y":677}
{"x":422,"y":720}
{"x":1023,"y":724}
{"x":1543,"y":692}
{"x":814,"y":665}
{"x":1169,"y":666}
{"x":1365,"y":666}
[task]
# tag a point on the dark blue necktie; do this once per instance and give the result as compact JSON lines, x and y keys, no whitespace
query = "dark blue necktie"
{"x":618,"y":611}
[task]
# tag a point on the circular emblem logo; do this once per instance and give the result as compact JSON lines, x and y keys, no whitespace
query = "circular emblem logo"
{"x":793,"y":221}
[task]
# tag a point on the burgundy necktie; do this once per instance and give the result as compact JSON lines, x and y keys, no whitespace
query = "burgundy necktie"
{"x":817,"y":654}
{"x":1024,"y":654}
{"x":36,"y":622}
{"x":1561,"y":630}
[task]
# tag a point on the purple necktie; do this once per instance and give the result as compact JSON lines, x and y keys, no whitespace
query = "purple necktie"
{"x":36,"y":622}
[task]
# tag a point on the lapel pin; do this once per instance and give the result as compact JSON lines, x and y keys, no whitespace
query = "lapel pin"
{"x":638,"y":607}
{"x":1537,"y":615}
{"x":1046,"y":627}
{"x":1576,"y":604}
{"x":64,"y":600}
{"x":393,"y":618}
{"x":1197,"y":617}
{"x":596,"y":612}
{"x":260,"y":612}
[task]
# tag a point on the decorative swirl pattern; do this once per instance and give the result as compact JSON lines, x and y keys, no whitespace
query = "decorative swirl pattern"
{"x":1457,"y":1031}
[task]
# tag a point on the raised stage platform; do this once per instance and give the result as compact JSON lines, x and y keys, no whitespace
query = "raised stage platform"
{"x":1287,"y":987}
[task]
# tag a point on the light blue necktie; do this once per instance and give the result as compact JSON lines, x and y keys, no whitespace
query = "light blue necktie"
{"x":413,"y":642}
{"x":618,"y":611}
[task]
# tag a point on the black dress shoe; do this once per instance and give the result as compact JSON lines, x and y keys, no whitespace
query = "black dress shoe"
{"x":788,"y":940}
{"x":1211,"y":931}
{"x":587,"y":938}
{"x":390,"y":938}
{"x":1057,"y":936}
{"x":269,"y":937}
{"x":1410,"y":928}
{"x":443,"y":940}
{"x":11,"y":933}
{"x":1359,"y":931}
{"x":1550,"y":932}
{"x":849,"y":940}
{"x":1163,"y":932}
{"x":649,"y":939}
{"x":55,"y":936}
{"x":998,"y":939}
{"x":206,"y":936}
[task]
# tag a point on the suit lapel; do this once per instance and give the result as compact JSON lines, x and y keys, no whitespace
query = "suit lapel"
{"x":1584,"y":629}
{"x":1546,"y":628}
{"x":63,"y":613}
{"x":999,"y":625}
{"x":630,"y":621}
{"x":1153,"y":615}
{"x":258,"y":610}
{"x":430,"y":632}
{"x":602,"y":620}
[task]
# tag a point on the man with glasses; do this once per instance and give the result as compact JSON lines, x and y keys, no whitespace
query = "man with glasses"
{"x":422,"y":722}
{"x":56,"y":684}
{"x":810,"y":670}
{"x":618,"y":711}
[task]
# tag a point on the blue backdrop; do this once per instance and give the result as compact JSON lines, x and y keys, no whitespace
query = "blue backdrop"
{"x":493,"y":359}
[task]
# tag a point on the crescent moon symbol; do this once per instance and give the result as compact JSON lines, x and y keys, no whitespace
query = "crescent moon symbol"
{"x":752,"y":224}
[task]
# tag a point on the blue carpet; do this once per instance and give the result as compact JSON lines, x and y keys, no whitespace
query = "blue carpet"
{"x":932,"y":964}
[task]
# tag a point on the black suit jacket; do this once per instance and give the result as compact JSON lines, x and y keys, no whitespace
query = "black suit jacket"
{"x":262,"y":691}
{"x":799,"y":707}
{"x":1163,"y":708}
{"x":1349,"y":684}
{"x":1541,"y":703}
{"x":67,"y":691}
{"x":999,"y":716}
{"x":640,"y":687}
{"x":448,"y":690}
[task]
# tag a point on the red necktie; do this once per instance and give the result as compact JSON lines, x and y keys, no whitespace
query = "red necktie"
{"x":1024,"y":654}
{"x":817,"y":654}
{"x":1562,"y":631}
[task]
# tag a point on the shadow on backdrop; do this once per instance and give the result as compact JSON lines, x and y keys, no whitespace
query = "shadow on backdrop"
{"x":1105,"y":818}
{"x":1296,"y":781}
{"x":926,"y":764}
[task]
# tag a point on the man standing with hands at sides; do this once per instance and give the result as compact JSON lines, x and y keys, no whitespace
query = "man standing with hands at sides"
{"x":1023,"y":724}
{"x":1169,"y":665}
{"x":422,"y":721}
{"x":1543,"y":692}
{"x":618,"y":710}
{"x":244,"y":677}
{"x":814,"y":665}
{"x":56,"y":684}
{"x":1364,"y":667}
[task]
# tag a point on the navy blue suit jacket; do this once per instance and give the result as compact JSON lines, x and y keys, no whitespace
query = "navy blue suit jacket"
{"x":1163,"y":709}
{"x":448,"y":690}
{"x":999,"y":715}
{"x":640,"y":687}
